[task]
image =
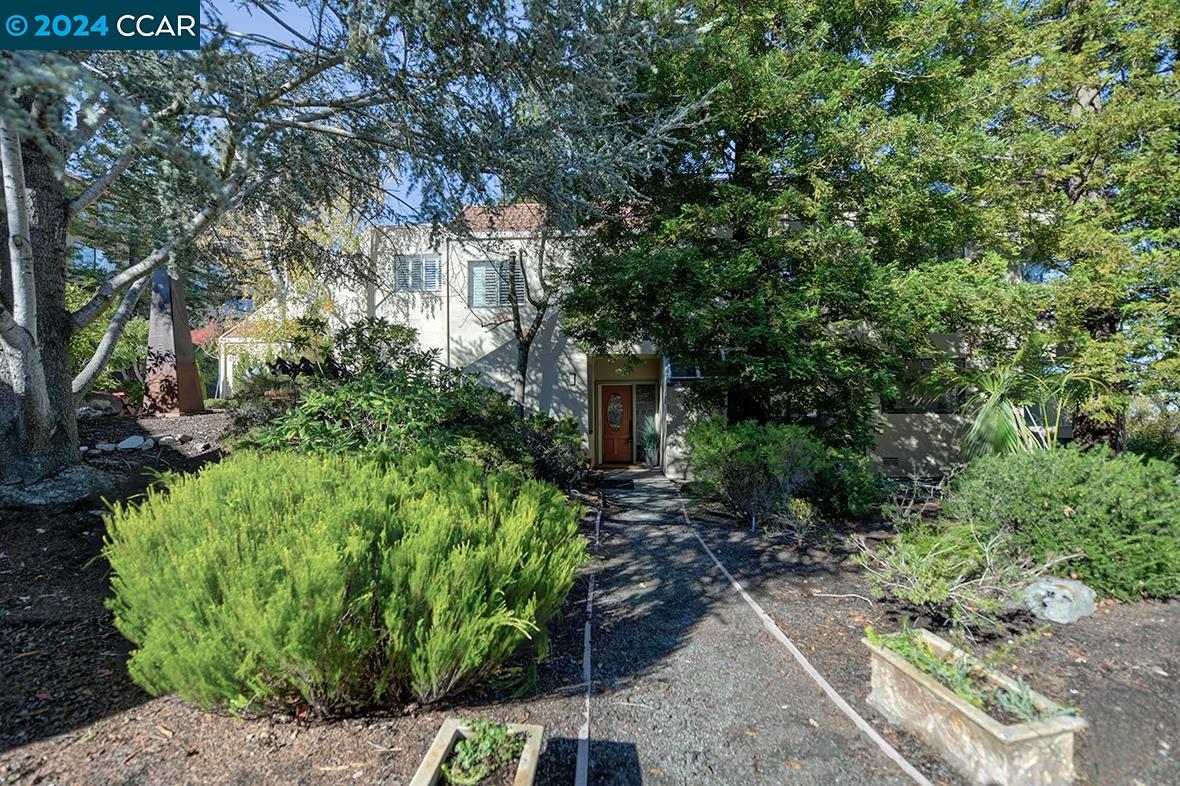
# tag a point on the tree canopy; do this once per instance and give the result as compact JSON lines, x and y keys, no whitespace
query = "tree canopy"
{"x":875,"y":172}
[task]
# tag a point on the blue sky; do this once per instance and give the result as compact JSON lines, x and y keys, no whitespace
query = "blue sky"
{"x":242,"y":18}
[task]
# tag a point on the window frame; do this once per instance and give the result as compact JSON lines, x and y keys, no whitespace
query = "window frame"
{"x":420,"y":260}
{"x":497,"y":264}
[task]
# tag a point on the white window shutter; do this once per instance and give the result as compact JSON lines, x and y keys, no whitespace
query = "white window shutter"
{"x":401,"y":274}
{"x":431,"y":274}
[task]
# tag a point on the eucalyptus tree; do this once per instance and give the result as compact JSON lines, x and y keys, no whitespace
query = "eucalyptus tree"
{"x":455,"y":99}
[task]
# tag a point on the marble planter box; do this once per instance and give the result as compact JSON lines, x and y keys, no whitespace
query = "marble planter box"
{"x":430,"y":770}
{"x":986,"y":751}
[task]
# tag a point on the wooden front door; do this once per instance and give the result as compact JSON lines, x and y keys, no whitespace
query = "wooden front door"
{"x":617,"y":439}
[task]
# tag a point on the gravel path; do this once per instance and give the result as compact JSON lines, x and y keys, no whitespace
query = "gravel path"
{"x":688,"y":685}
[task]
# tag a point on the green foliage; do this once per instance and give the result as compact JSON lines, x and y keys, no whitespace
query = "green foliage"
{"x":1111,"y":521}
{"x":481,"y":753}
{"x":275,"y":579}
{"x":758,"y":469}
{"x":1156,"y":435}
{"x":1116,"y":517}
{"x":649,"y":440}
{"x":866,"y":179}
{"x":372,"y":388}
{"x":125,"y":370}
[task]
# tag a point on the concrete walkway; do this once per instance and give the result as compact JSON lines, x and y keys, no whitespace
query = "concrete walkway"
{"x":688,"y":685}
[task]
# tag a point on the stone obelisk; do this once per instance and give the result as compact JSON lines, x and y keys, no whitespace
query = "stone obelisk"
{"x":173,"y":382}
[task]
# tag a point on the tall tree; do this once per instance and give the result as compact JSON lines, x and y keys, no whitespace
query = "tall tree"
{"x":1094,"y":131}
{"x":847,"y":142}
{"x":444,"y":96}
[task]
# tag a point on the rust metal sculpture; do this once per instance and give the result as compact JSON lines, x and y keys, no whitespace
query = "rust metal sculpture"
{"x":173,"y":382}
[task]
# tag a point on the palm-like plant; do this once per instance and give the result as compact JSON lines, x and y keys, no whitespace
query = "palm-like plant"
{"x":1017,"y":406}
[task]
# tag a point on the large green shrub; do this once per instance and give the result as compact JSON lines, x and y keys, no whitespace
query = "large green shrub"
{"x":757,"y":469}
{"x":1112,"y":521}
{"x":376,"y":390}
{"x":282,"y":578}
{"x":1118,"y":515}
{"x":1156,"y":436}
{"x":754,"y":469}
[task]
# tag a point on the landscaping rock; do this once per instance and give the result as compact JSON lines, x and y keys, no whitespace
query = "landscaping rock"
{"x":106,"y":447}
{"x":147,"y":444}
{"x":68,"y":486}
{"x":131,"y":443}
{"x":184,"y":438}
{"x":204,"y":446}
{"x":1059,"y":600}
{"x":169,"y":440}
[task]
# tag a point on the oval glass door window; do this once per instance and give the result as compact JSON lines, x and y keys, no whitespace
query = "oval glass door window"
{"x":614,"y":411}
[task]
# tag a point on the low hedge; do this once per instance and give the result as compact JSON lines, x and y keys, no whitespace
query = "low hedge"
{"x":283,"y":579}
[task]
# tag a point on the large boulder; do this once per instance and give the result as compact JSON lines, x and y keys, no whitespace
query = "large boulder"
{"x":1059,"y":600}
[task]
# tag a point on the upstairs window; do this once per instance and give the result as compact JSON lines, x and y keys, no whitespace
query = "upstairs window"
{"x":417,"y":273}
{"x":912,"y":400}
{"x":492,"y":283}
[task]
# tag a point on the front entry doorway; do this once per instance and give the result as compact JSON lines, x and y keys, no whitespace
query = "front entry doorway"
{"x":618,"y":441}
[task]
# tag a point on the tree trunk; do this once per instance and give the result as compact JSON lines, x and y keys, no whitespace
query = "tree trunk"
{"x":35,"y":448}
{"x":522,"y":374}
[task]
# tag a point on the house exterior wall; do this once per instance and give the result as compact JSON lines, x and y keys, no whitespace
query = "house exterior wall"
{"x":562,"y":380}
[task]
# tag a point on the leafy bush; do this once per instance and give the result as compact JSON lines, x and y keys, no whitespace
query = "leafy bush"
{"x":1156,"y":436}
{"x":1112,"y":521}
{"x":338,"y":583}
{"x":754,"y":469}
{"x":377,"y":390}
{"x":1119,"y":514}
{"x":757,"y":469}
{"x":847,"y":486}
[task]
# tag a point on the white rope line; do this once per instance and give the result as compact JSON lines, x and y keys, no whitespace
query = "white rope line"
{"x":582,"y":765}
{"x":836,"y":698}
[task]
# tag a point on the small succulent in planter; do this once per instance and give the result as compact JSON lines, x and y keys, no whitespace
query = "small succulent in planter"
{"x":488,"y":747}
{"x":649,"y":440}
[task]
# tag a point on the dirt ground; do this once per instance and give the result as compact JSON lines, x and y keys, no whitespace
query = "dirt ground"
{"x":69,"y":714}
{"x":1119,"y":667}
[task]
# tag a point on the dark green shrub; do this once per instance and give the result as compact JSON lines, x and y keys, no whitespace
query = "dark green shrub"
{"x":1156,"y":436}
{"x":1111,"y":521}
{"x":281,"y":578}
{"x":1119,"y":514}
{"x":846,"y":486}
{"x":754,"y":469}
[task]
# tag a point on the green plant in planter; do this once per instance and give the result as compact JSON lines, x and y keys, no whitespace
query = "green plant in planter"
{"x":649,"y":440}
{"x":489,"y":746}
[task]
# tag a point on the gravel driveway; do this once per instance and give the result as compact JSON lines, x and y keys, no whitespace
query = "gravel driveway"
{"x":688,"y":686}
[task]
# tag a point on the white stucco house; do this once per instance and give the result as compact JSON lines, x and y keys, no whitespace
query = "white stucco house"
{"x":454,"y":289}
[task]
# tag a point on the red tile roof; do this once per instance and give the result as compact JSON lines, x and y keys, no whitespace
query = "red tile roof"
{"x":503,"y":218}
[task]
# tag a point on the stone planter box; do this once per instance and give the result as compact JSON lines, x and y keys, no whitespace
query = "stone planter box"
{"x":453,"y":729}
{"x":985,"y":750}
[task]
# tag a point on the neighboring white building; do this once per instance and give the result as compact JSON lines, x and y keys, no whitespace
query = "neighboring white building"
{"x":455,"y":291}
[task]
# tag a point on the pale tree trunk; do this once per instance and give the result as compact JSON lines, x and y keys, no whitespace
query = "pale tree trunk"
{"x":38,"y":431}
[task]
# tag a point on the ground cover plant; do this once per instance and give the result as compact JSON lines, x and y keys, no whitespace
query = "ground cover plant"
{"x":336,"y":583}
{"x":1110,"y":520}
{"x":966,"y":679}
{"x":475,"y":757}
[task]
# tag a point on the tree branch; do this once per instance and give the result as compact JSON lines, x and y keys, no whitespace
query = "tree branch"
{"x":95,"y":189}
{"x":200,"y":221}
{"x":20,"y":242}
{"x":110,"y":339}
